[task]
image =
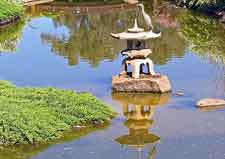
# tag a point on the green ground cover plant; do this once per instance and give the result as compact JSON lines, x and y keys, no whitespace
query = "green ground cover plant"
{"x":30,"y":115}
{"x":9,"y":9}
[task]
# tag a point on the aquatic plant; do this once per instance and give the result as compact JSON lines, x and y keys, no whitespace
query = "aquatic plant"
{"x":31,"y":115}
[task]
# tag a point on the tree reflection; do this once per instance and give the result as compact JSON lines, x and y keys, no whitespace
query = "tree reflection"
{"x":171,"y":42}
{"x":206,"y":36}
{"x":89,"y":37}
{"x":10,"y":36}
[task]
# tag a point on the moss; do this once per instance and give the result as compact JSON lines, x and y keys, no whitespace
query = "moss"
{"x":9,"y":9}
{"x":31,"y":115}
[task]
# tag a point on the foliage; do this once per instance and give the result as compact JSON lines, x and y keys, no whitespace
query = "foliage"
{"x":31,"y":115}
{"x":9,"y":9}
{"x":206,"y":36}
{"x":204,"y":5}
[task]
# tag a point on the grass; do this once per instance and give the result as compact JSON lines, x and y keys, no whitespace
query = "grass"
{"x":9,"y":9}
{"x":30,"y":115}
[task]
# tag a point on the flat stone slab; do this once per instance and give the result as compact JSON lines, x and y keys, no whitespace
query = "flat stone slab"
{"x":136,"y":36}
{"x":137,"y":53}
{"x":210,"y":102}
{"x":146,"y":83}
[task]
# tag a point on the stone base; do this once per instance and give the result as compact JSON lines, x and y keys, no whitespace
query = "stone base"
{"x":146,"y":83}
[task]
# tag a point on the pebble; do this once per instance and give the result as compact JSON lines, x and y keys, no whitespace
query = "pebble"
{"x":179,"y":94}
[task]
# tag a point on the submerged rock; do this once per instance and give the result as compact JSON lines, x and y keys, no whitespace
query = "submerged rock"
{"x":210,"y":102}
{"x":78,"y":127}
{"x":179,"y":94}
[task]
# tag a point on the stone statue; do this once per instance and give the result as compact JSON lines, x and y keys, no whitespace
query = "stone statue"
{"x":141,"y":76}
{"x":147,"y":18}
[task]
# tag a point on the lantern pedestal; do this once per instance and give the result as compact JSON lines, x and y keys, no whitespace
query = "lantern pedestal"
{"x":145,"y":83}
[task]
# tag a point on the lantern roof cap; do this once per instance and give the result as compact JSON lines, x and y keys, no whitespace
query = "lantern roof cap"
{"x":136,"y":36}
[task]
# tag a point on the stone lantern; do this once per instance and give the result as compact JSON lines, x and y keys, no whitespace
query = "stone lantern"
{"x":136,"y":56}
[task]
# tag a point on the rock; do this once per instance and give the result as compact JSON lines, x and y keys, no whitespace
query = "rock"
{"x":222,"y":19}
{"x":210,"y":102}
{"x":221,"y":16}
{"x":98,"y":123}
{"x":147,"y":83}
{"x":179,"y":94}
{"x":137,"y":53}
{"x":78,"y":127}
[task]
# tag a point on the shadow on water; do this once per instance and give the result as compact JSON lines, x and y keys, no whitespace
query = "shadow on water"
{"x":27,"y":151}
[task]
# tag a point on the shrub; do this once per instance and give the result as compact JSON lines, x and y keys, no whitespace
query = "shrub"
{"x":10,"y":9}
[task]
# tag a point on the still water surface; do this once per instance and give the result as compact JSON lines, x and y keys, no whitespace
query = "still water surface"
{"x":70,"y":47}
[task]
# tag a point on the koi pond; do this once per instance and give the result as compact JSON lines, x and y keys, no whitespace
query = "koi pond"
{"x":68,"y":46}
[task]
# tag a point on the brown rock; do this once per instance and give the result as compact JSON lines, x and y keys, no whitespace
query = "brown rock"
{"x":147,"y":83}
{"x":210,"y":102}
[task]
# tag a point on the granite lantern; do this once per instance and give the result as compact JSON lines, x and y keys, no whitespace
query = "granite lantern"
{"x":136,"y":56}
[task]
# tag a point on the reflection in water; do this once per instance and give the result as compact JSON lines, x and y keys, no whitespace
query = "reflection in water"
{"x":138,"y":110}
{"x":87,"y":35}
{"x":10,"y":36}
{"x":89,"y":38}
{"x":27,"y":151}
{"x":206,"y":36}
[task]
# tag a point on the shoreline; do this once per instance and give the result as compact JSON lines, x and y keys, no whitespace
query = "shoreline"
{"x":9,"y":21}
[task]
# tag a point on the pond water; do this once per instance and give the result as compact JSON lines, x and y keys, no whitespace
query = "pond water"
{"x":69,"y":46}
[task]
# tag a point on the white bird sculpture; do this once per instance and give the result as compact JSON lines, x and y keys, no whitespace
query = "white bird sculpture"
{"x":147,"y":18}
